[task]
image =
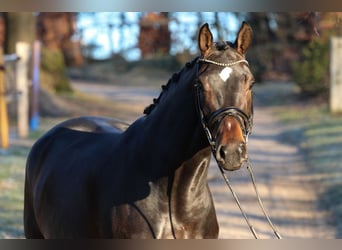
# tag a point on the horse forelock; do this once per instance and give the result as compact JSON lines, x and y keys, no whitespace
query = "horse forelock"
{"x":224,"y":45}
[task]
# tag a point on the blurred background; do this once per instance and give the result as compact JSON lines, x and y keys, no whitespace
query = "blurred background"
{"x":283,"y":45}
{"x":57,"y":65}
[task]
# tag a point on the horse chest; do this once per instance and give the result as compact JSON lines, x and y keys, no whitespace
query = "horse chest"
{"x":146,"y":218}
{"x":154,"y":217}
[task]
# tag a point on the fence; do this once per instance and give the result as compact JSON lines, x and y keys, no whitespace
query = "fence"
{"x":4,"y":130}
{"x":336,"y":75}
{"x":15,"y":91}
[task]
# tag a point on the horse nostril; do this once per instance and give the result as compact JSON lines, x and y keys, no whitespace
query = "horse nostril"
{"x":223,"y":152}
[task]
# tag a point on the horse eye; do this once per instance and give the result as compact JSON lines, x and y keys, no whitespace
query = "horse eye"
{"x":250,"y":81}
{"x":250,"y":85}
{"x":247,"y":81}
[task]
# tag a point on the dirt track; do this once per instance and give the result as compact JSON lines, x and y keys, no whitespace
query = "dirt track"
{"x":288,"y":192}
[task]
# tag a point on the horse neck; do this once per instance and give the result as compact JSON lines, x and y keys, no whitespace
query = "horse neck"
{"x":174,"y":127}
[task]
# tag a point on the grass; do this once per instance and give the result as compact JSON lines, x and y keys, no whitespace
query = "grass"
{"x":318,"y":133}
{"x":323,"y":144}
{"x":12,"y":170}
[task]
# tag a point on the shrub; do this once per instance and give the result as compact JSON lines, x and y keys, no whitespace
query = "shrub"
{"x":53,"y":70}
{"x":312,"y":72}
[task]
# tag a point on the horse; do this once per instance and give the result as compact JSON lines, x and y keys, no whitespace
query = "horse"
{"x":96,"y":177}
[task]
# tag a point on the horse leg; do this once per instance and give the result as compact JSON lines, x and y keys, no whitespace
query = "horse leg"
{"x":31,"y":227}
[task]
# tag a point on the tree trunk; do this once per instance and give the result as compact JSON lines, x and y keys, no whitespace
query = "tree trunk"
{"x":2,"y":30}
{"x":20,"y":27}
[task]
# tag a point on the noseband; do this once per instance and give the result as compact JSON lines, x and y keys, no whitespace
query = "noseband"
{"x":208,"y":123}
{"x":244,"y":120}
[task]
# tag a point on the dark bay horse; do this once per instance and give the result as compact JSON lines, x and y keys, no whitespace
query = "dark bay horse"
{"x":92,"y":177}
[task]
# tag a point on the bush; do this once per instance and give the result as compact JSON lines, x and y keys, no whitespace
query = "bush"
{"x":53,"y":70}
{"x":312,"y":72}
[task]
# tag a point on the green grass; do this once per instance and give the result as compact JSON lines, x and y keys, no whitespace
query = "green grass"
{"x":12,"y":176}
{"x":322,"y":137}
{"x":12,"y":169}
{"x":323,"y":145}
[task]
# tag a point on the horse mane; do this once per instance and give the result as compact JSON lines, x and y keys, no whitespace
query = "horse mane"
{"x":175,"y":77}
{"x":220,"y":45}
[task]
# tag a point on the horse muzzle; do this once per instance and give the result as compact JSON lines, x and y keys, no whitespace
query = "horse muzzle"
{"x":231,"y":148}
{"x":231,"y":156}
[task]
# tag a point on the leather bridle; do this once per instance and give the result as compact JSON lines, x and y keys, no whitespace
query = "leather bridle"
{"x":246,"y":123}
{"x":209,"y":122}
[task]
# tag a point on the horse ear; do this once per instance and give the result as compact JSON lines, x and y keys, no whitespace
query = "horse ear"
{"x":205,"y":39}
{"x":244,"y":38}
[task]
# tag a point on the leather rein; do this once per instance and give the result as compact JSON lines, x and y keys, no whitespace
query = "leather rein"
{"x":246,"y":123}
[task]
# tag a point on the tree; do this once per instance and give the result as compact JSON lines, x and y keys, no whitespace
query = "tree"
{"x":311,"y":71}
{"x":154,"y":37}
{"x":55,"y":31}
{"x":274,"y":46}
{"x":20,"y":26}
{"x":279,"y":40}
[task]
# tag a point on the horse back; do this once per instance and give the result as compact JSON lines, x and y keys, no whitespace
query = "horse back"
{"x":49,"y":172}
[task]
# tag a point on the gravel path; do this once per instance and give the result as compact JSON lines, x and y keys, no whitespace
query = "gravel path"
{"x":285,"y":186}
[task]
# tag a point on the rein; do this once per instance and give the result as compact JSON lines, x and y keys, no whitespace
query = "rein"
{"x":246,"y":125}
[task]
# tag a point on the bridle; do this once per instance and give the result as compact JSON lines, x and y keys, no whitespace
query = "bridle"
{"x":246,"y":123}
{"x":208,"y":123}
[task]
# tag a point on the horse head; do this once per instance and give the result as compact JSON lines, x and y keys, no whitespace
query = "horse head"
{"x":225,"y":95}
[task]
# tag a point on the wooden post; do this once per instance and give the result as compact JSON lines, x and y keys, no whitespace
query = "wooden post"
{"x":23,"y":52}
{"x":34,"y":120}
{"x":4,"y":127}
{"x":336,"y":75}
